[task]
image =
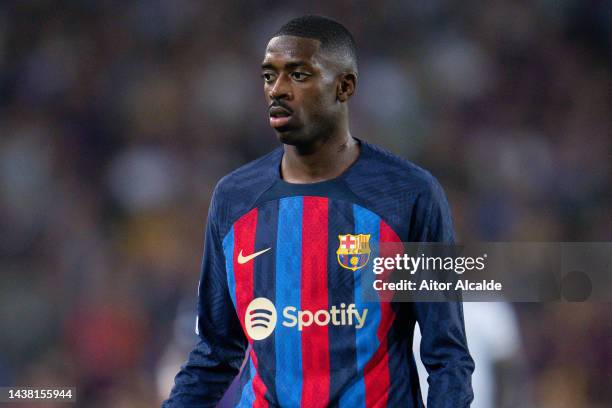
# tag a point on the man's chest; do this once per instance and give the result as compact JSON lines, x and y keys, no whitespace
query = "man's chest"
{"x":303,"y":254}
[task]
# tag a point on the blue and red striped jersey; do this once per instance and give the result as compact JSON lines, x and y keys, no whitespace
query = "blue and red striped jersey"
{"x":281,"y":278}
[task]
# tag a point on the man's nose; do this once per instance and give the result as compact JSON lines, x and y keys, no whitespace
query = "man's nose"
{"x":281,"y":88}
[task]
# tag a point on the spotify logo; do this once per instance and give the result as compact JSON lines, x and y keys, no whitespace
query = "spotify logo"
{"x":260,"y":318}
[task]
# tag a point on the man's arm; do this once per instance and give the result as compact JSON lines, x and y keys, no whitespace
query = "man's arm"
{"x":444,"y":350}
{"x":216,"y":359}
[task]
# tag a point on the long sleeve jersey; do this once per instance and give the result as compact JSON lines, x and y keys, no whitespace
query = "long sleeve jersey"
{"x":280,"y":279}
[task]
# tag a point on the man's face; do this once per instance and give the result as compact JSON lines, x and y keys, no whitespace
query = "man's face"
{"x":300,"y":89}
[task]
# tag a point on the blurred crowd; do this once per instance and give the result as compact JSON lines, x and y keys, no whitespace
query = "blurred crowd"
{"x":118,"y":117}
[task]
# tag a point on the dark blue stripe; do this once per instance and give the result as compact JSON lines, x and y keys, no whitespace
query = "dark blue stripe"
{"x":403,"y":377}
{"x":264,"y":285}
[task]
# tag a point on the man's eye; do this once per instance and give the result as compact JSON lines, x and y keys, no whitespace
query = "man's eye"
{"x":299,"y":76}
{"x":267,"y":77}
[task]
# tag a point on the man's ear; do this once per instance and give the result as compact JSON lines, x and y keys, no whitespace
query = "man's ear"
{"x":346,"y":86}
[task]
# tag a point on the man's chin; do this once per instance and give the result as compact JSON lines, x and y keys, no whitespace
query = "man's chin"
{"x":288,"y":135}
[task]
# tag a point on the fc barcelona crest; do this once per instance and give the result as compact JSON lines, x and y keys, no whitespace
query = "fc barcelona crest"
{"x":354,"y":251}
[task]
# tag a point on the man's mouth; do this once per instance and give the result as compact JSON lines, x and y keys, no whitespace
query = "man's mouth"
{"x":279,"y":116}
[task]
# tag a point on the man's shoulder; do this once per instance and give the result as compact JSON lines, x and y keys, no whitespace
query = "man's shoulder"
{"x":236,"y":192}
{"x":405,"y":194}
{"x":252,"y":177}
{"x":396,"y":174}
{"x":395,"y":188}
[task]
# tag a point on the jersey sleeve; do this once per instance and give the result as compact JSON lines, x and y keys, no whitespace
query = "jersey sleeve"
{"x":444,"y":350}
{"x":217,"y":357}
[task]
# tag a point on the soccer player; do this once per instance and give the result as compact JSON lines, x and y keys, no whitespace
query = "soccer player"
{"x":287,"y":240}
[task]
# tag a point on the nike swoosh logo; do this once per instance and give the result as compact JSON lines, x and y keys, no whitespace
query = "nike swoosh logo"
{"x":244,"y":259}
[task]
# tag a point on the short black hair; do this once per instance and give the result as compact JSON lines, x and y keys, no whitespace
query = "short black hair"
{"x":332,"y":35}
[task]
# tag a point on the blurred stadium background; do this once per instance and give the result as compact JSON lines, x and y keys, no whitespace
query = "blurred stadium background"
{"x":118,"y":117}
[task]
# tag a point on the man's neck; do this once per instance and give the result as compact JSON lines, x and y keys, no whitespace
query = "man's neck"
{"x":326,"y":161}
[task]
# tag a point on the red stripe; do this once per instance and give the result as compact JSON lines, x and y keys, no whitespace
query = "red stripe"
{"x":376,"y":371}
{"x":244,"y":240}
{"x":315,"y":341}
